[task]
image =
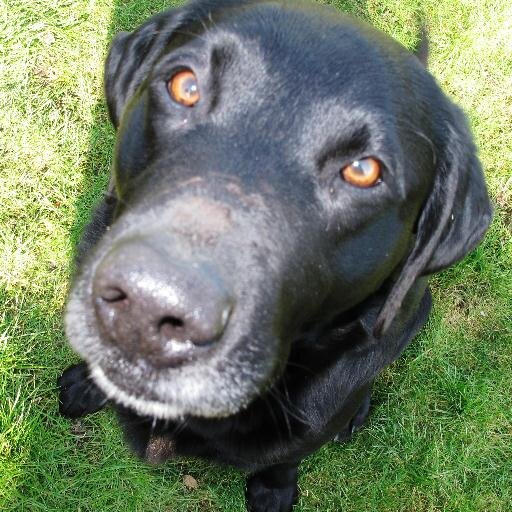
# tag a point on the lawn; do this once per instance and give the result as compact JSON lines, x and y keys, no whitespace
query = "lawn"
{"x":440,"y":435}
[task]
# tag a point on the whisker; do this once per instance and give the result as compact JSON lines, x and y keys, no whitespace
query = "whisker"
{"x":300,"y":367}
{"x":284,"y":411}
{"x":291,"y":409}
{"x":274,"y":418}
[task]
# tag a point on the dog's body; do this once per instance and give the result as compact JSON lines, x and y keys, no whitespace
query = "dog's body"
{"x":237,"y":292}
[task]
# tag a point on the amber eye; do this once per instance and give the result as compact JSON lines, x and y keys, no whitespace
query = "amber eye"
{"x":363,"y":173}
{"x":183,"y":88}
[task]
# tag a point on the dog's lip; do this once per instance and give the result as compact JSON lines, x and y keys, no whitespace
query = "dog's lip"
{"x":148,"y":407}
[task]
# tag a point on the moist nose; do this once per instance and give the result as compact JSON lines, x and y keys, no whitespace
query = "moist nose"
{"x":153,"y":307}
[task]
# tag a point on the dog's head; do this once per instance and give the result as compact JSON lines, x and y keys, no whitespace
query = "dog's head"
{"x":276,"y":164}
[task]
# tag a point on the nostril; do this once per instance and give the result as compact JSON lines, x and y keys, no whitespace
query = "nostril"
{"x":113,"y":294}
{"x":226,"y":313}
{"x":171,"y":322}
{"x":171,"y":327}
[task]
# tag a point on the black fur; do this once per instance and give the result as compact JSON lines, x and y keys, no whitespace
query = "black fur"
{"x":78,"y":393}
{"x":328,"y":280}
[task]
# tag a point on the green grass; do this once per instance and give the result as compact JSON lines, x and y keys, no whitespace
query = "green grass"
{"x":440,"y":436}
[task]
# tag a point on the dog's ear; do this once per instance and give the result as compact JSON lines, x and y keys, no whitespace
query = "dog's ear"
{"x":131,"y":56}
{"x":453,"y":220}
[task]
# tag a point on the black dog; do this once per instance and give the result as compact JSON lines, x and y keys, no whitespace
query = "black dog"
{"x":285,"y":177}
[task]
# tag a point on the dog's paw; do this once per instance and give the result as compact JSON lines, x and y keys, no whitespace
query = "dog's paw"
{"x":262,"y":498}
{"x":78,"y":394}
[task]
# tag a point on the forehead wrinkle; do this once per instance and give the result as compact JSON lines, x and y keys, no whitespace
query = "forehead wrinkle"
{"x":329,"y":120}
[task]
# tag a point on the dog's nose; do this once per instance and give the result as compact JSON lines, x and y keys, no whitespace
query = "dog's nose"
{"x":152,"y":307}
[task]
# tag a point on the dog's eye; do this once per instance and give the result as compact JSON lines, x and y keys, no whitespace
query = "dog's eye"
{"x":183,"y":88}
{"x":363,"y":173}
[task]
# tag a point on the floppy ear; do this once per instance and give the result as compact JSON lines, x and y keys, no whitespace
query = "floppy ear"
{"x":131,"y":56}
{"x":453,"y":220}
